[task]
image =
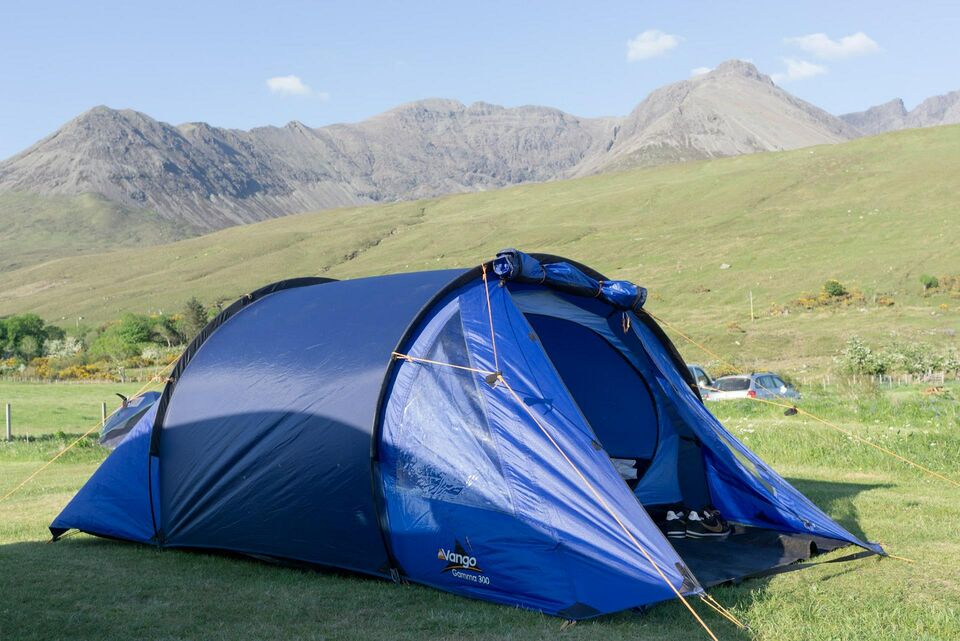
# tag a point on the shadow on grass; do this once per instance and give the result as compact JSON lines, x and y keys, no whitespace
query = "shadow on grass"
{"x":89,"y":588}
{"x":836,"y":498}
{"x":93,"y":589}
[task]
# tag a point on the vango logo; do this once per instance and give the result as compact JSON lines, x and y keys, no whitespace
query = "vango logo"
{"x":458,"y":559}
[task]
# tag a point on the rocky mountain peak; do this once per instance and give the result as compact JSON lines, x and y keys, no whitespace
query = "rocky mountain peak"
{"x":736,"y":67}
{"x":892,"y":115}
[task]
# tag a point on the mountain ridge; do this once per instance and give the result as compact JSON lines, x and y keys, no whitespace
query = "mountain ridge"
{"x":207,"y":178}
{"x":893,"y":115}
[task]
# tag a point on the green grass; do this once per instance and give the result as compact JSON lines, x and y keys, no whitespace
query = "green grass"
{"x":46,"y":408}
{"x":35,"y":229}
{"x":87,"y":588}
{"x":875,"y":213}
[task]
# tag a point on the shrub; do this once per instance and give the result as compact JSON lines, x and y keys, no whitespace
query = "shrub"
{"x":86,"y":372}
{"x":929,"y":282}
{"x":134,"y":329}
{"x":949,"y":283}
{"x":112,"y":344}
{"x":950,"y":361}
{"x":42,"y":367}
{"x":857,"y":357}
{"x":60,"y":348}
{"x":913,"y":358}
{"x":806,"y":300}
{"x":834,"y":288}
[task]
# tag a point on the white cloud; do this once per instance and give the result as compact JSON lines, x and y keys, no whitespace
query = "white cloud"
{"x":650,"y":44}
{"x":821,"y":46}
{"x":288,"y":85}
{"x":798,"y":70}
{"x":699,"y":71}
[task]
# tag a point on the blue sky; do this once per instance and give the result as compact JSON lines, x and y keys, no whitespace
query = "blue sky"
{"x":340,"y":62}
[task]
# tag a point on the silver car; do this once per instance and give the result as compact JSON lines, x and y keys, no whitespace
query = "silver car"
{"x":765,"y":385}
{"x":704,"y":382}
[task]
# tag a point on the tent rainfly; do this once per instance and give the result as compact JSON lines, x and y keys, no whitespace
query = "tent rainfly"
{"x":460,"y":429}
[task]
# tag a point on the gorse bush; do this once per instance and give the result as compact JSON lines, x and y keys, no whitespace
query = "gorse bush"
{"x":833,"y":293}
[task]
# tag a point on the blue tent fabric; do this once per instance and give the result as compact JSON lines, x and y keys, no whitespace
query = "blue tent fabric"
{"x":290,"y":430}
{"x":545,"y":525}
{"x":115,"y":502}
{"x":277,"y":408}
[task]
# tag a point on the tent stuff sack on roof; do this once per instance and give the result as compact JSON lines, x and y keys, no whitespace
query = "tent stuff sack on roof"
{"x":376,"y":425}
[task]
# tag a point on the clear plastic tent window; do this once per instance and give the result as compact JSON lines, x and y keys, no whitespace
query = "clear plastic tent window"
{"x":462,"y":467}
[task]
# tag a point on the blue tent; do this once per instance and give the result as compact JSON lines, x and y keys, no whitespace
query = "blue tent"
{"x":455,"y":429}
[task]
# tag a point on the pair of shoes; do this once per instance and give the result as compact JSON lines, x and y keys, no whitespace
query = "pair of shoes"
{"x":707,"y":523}
{"x":674,"y":526}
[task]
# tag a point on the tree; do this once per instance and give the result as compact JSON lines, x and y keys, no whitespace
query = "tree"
{"x":194,"y":318}
{"x":113,"y":345}
{"x":122,"y":339}
{"x":134,"y":329}
{"x":54,"y":333}
{"x":15,"y":329}
{"x":164,"y":330}
{"x":29,"y":347}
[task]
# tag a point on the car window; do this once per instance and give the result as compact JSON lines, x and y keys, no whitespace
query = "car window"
{"x":738,"y":384}
{"x":765,"y":383}
{"x":778,"y":382}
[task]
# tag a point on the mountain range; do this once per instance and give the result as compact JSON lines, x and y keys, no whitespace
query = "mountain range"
{"x":194,"y":178}
{"x":893,"y":115}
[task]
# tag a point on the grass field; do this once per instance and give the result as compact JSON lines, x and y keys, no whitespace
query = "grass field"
{"x":88,"y":588}
{"x":60,"y":407}
{"x":875,"y":212}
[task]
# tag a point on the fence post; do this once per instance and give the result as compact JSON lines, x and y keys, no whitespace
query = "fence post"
{"x":9,"y":424}
{"x":103,"y":413}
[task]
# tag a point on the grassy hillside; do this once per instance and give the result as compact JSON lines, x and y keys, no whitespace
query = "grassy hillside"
{"x":874,"y":213}
{"x":34,"y":229}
